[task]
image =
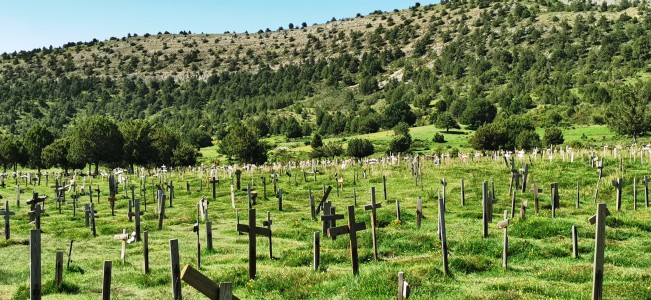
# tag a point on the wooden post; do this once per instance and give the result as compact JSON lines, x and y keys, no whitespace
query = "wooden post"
{"x":444,"y":243}
{"x":373,"y":207}
{"x":600,"y":244}
{"x":513,"y":203}
{"x":280,"y":200}
{"x":634,"y":193}
{"x":58,"y":269}
{"x":419,"y":211}
{"x":161,"y":210}
{"x":35,"y":290}
{"x":69,"y":255}
{"x":504,"y":224}
{"x":536,"y":204}
{"x":553,"y":201}
{"x":226,"y":291}
{"x":485,"y":209}
{"x":93,"y":229}
{"x":575,"y":243}
{"x":214,"y":188}
{"x":618,"y":184}
{"x":106,"y":283}
{"x":384,"y":185}
{"x":312,"y":208}
{"x":646,"y":192}
{"x":578,"y":196}
{"x":317,"y":251}
{"x":145,"y":252}
{"x":398,"y":210}
{"x":463,"y":193}
{"x":175,"y":269}
{"x":444,"y":183}
{"x":403,"y":287}
{"x":137,"y":215}
{"x":209,"y":235}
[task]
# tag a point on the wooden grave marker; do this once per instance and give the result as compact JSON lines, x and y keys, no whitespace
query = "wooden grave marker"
{"x":175,"y":269}
{"x":206,"y":286}
{"x":373,"y":208}
{"x":35,"y":290}
{"x":106,"y":281}
{"x":36,"y":215}
{"x":6,"y":212}
{"x":351,"y":229}
{"x":600,"y":245}
{"x":317,"y":251}
{"x":124,"y":237}
{"x":536,"y":204}
{"x":619,"y":185}
{"x":253,"y":231}
{"x":443,"y":235}
{"x":419,"y":211}
{"x":504,"y":224}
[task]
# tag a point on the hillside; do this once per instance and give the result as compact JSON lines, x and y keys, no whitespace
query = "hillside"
{"x":555,"y":63}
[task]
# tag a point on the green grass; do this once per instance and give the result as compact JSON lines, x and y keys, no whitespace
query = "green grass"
{"x":540,"y":263}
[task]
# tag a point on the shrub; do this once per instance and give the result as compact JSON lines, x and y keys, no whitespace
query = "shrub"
{"x":553,"y":136}
{"x":359,"y":148}
{"x":527,"y":140}
{"x":438,"y":138}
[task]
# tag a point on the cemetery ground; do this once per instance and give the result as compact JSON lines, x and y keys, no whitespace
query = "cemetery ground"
{"x":540,"y":259}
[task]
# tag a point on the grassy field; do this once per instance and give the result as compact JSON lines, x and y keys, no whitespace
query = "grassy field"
{"x":540,"y":266}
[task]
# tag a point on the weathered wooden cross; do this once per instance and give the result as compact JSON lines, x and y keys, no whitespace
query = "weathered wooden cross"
{"x":206,"y":286}
{"x":504,"y":224}
{"x":214,"y":181}
{"x":6,"y":213}
{"x":619,"y":185}
{"x":123,"y":238}
{"x":36,"y":215}
{"x":252,"y":230}
{"x":325,"y":197}
{"x":351,"y":229}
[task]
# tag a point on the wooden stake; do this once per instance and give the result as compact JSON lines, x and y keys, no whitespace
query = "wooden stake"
{"x":145,"y":252}
{"x":209,"y":235}
{"x":600,"y":245}
{"x":106,"y":283}
{"x":444,"y":243}
{"x":317,"y":251}
{"x":575,"y":243}
{"x":485,"y":209}
{"x":35,"y":290}
{"x":175,"y":269}
{"x":58,"y":269}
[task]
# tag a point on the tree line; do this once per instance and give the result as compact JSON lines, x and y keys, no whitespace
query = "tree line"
{"x":99,"y":140}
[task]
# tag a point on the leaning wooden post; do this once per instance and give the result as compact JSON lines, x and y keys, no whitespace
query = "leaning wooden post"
{"x":35,"y":290}
{"x":175,"y":269}
{"x":69,"y":255}
{"x":106,"y":283}
{"x":58,"y":269}
{"x":317,"y":251}
{"x":444,"y":243}
{"x":600,"y":244}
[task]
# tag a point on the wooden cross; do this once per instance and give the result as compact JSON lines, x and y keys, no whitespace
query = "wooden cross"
{"x":36,"y":215}
{"x":525,"y":174}
{"x":252,"y":230}
{"x":619,"y":185}
{"x":206,"y":286}
{"x":351,"y":229}
{"x":238,"y":174}
{"x":330,"y":219}
{"x":535,"y":192}
{"x":600,"y":166}
{"x":92,"y":212}
{"x":214,"y":189}
{"x":504,"y":224}
{"x":325,"y":197}
{"x":123,"y":238}
{"x":6,"y":213}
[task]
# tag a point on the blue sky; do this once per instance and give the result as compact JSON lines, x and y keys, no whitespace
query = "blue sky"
{"x":26,"y":25}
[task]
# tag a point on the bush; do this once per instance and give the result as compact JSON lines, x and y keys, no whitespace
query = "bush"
{"x":317,"y":141}
{"x":438,"y":138}
{"x":553,"y":136}
{"x":399,"y":144}
{"x":359,"y":148}
{"x":527,"y":140}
